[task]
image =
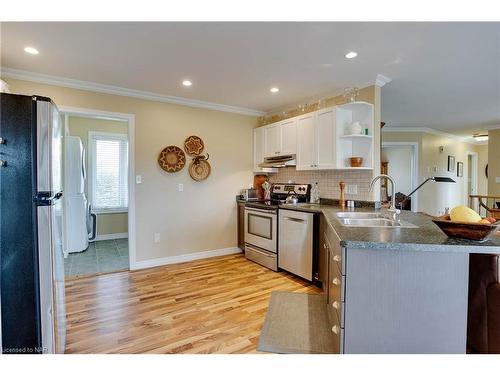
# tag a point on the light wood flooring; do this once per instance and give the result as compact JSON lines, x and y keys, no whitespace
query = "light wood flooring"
{"x":215,"y":305}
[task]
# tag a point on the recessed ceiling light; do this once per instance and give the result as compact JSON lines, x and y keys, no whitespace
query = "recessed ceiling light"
{"x":351,"y":55}
{"x":187,"y":83}
{"x":274,"y":90}
{"x":480,"y":137}
{"x":31,"y":50}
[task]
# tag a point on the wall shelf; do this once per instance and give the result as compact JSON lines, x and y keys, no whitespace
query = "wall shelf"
{"x":354,"y":145}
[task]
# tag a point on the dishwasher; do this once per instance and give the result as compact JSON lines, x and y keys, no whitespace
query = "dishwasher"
{"x":297,"y":244}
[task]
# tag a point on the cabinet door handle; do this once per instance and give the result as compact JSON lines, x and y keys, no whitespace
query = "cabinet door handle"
{"x":335,"y":305}
{"x":335,"y":329}
{"x":336,"y":281}
{"x":336,"y":258}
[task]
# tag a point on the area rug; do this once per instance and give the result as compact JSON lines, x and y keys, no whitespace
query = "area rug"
{"x":296,"y":323}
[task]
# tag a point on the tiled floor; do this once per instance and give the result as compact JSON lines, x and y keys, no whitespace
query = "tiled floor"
{"x":101,"y":256}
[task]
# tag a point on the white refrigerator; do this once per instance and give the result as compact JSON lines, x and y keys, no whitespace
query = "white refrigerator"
{"x":76,"y":236}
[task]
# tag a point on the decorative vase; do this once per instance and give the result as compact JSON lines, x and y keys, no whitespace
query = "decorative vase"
{"x":355,"y":128}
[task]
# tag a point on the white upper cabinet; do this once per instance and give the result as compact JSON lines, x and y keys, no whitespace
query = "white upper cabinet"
{"x":325,"y":138}
{"x":281,"y":138}
{"x":306,"y":142}
{"x":288,"y":129}
{"x":272,"y":140}
{"x":316,"y":140}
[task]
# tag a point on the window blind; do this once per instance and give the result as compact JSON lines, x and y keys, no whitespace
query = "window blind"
{"x":109,"y":172}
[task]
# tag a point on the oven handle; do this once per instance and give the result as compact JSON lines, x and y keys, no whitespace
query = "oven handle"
{"x":269,"y":212}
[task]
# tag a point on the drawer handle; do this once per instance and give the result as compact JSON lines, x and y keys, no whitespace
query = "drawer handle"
{"x":336,"y":281}
{"x":335,"y":305}
{"x":335,"y":329}
{"x":336,"y":258}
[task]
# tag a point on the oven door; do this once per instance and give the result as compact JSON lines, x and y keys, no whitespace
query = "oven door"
{"x":261,"y":228}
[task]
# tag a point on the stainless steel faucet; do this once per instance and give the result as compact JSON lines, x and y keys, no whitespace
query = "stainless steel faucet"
{"x":392,"y":208}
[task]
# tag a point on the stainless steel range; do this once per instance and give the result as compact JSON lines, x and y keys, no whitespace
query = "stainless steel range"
{"x":261,"y":223}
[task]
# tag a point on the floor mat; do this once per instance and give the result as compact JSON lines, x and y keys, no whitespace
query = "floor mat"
{"x":296,"y":323}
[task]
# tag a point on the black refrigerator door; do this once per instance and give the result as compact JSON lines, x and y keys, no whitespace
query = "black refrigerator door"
{"x":18,"y":245}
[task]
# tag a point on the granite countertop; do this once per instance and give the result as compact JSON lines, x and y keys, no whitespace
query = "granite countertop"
{"x":427,"y":237}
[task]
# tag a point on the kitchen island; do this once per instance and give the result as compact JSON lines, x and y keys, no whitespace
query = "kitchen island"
{"x":392,"y":289}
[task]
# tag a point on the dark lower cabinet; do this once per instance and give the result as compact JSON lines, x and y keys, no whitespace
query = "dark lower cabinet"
{"x":241,"y":225}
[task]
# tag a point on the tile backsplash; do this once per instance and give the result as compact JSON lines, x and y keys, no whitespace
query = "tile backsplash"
{"x":328,"y":181}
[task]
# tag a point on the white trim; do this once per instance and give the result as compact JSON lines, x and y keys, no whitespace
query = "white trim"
{"x":122,"y":91}
{"x":415,"y":178}
{"x":110,"y":236}
{"x":423,"y":129}
{"x":184,"y":258}
{"x":130,"y":119}
{"x":382,"y":80}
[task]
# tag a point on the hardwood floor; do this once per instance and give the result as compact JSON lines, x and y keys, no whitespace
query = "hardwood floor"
{"x":214,"y":305}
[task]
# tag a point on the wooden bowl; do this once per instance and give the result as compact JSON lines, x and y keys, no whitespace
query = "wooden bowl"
{"x":469,"y":231}
{"x":356,"y":161}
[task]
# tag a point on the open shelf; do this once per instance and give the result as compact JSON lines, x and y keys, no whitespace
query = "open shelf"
{"x":354,"y":145}
{"x":349,"y":136}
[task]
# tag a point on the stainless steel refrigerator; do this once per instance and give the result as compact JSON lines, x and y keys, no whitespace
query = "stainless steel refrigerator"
{"x":31,"y":248}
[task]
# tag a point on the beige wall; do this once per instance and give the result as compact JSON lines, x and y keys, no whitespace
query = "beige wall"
{"x":80,"y":127}
{"x":328,"y":181}
{"x":493,"y":162}
{"x":433,"y":198}
{"x":203,"y":217}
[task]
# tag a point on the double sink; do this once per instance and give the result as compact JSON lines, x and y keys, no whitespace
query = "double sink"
{"x":361,"y":219}
{"x":370,"y":219}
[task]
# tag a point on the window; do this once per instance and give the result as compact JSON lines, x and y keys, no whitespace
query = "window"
{"x":108,"y":172}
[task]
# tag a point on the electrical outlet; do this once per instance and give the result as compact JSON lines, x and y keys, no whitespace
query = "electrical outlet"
{"x":157,"y":237}
{"x":138,"y":179}
{"x":181,"y":187}
{"x":497,"y":180}
{"x":352,"y":189}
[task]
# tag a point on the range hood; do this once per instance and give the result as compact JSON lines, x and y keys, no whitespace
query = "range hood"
{"x":278,"y":161}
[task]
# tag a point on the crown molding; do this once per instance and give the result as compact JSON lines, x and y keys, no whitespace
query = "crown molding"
{"x":422,"y":129}
{"x":382,"y":80}
{"x":493,"y":127}
{"x":122,"y":91}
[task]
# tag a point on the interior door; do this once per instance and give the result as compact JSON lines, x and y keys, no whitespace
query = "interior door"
{"x":306,"y":143}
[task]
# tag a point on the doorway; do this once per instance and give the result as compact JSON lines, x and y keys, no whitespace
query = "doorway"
{"x":107,"y":149}
{"x":401,"y":162}
{"x":471,"y":180}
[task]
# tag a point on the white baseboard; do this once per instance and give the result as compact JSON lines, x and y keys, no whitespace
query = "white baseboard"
{"x":184,"y":258}
{"x":111,"y":236}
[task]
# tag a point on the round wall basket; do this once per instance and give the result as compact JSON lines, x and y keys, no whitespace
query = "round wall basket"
{"x":172,"y":159}
{"x":199,"y":169}
{"x":194,"y":145}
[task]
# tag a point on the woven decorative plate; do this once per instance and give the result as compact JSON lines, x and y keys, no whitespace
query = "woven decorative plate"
{"x":193,"y":145}
{"x":199,"y":169}
{"x":172,"y":159}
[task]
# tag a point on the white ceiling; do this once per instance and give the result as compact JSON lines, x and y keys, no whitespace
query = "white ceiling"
{"x":445,"y":75}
